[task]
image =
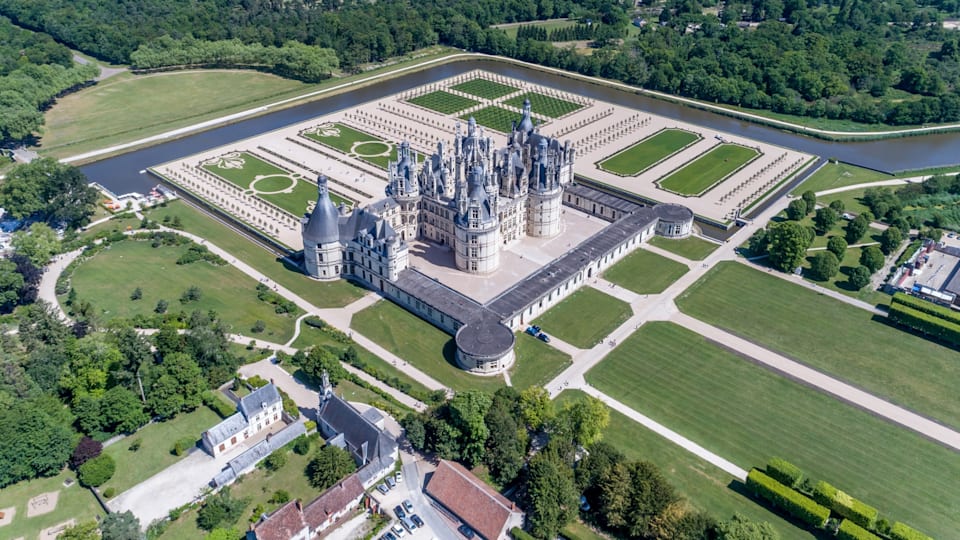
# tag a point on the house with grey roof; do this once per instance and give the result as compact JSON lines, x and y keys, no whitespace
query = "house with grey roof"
{"x":255,"y":412}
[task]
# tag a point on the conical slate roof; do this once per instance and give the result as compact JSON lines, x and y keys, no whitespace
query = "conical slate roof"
{"x":526,"y":123}
{"x":322,"y":226}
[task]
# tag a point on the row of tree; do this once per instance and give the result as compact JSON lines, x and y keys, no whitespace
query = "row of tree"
{"x":49,"y":191}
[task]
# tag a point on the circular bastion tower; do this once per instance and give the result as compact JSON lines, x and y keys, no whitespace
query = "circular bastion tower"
{"x":322,"y":253}
{"x":477,"y":226}
{"x":545,"y":197}
{"x":676,"y":221}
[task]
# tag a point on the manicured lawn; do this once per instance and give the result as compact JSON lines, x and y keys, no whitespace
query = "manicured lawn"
{"x":321,"y":294}
{"x":707,"y":170}
{"x":494,"y":117}
{"x":310,"y":336}
{"x":340,"y":136}
{"x":156,"y":443}
{"x":585,"y":317}
{"x":835,"y":175}
{"x":840,"y":283}
{"x":704,"y":485}
{"x":537,"y":363}
{"x":644,"y":272}
{"x":420,"y":343}
{"x":544,"y":105}
{"x":485,"y":88}
{"x":352,"y":392}
{"x":691,"y":247}
{"x":242,"y":168}
{"x":74,"y":502}
{"x":118,"y":224}
{"x":88,"y":119}
{"x":108,"y":278}
{"x":654,"y":149}
{"x":842,"y":340}
{"x":580,"y":531}
{"x":443,"y":102}
{"x":711,"y":396}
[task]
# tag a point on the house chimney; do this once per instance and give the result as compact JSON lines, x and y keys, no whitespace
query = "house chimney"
{"x":363,"y":453}
{"x":299,"y":506}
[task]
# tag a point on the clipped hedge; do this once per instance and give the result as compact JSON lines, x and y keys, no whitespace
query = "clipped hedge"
{"x":519,"y":534}
{"x":795,"y":504}
{"x":851,"y":531}
{"x":925,"y":323}
{"x":840,"y":502}
{"x":901,"y":531}
{"x":929,"y":308}
{"x":784,"y":472}
{"x":97,"y":471}
{"x":217,"y":405}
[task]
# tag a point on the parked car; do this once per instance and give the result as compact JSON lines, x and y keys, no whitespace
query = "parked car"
{"x":382,"y":488}
{"x":408,"y":524}
{"x":543,"y":337}
{"x":399,"y":476}
{"x":388,"y":536}
{"x":466,"y":531}
{"x":398,"y":510}
{"x":533,"y":330}
{"x":407,"y":505}
{"x":391,"y":482}
{"x":416,"y":519}
{"x":398,"y":531}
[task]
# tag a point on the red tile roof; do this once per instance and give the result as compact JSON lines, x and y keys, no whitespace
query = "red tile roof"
{"x":284,"y":523}
{"x":472,"y":500}
{"x":333,"y":500}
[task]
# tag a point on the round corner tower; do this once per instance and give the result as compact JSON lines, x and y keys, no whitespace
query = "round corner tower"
{"x":404,"y":186}
{"x":477,"y":227}
{"x":322,"y":252}
{"x":545,"y":196}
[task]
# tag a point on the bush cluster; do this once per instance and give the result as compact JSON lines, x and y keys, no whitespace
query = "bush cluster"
{"x":901,"y":531}
{"x":795,"y":504}
{"x":840,"y":502}
{"x":281,"y":304}
{"x":784,"y":472}
{"x":97,"y":471}
{"x":926,"y":323}
{"x":216,"y":404}
{"x":851,"y":531}
{"x":197,"y":252}
{"x":182,"y":446}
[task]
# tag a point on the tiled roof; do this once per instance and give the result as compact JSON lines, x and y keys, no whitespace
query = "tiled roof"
{"x":335,"y":499}
{"x":252,"y":403}
{"x":284,"y":523}
{"x":473,"y":501}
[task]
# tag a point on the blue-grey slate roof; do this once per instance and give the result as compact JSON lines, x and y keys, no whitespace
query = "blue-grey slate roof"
{"x":229,"y":427}
{"x":261,"y":398}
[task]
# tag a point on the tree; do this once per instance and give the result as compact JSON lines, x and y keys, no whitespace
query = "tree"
{"x":788,"y":245}
{"x":11,"y":285}
{"x":36,"y":441}
{"x":872,"y":258}
{"x":506,"y":445}
{"x":810,"y":198}
{"x":824,"y":219}
{"x":329,"y":466}
{"x":56,"y":192}
{"x":631,"y":495}
{"x":890,"y":240}
{"x":192,"y":294}
{"x":275,"y":461}
{"x":136,"y":294}
{"x":837,"y":206}
{"x":122,"y":411}
{"x":678,"y":521}
{"x":551,"y":494}
{"x":97,"y":471}
{"x":467,"y":411}
{"x":218,"y":509}
{"x":122,"y":526}
{"x":758,"y":243}
{"x":602,"y":457}
{"x":38,"y":243}
{"x":414,"y":429}
{"x":86,"y":450}
{"x":825,"y":265}
{"x":536,"y":407}
{"x":174,"y":385}
{"x":796,"y":210}
{"x":740,"y":527}
{"x":837,"y":246}
{"x":859,"y":277}
{"x":80,"y":531}
{"x":585,"y":419}
{"x":857,"y":228}
{"x":161,"y":307}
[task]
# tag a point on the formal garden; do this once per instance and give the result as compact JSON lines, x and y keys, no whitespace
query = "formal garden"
{"x":645,"y":272}
{"x":494,"y":117}
{"x":646,"y":153}
{"x":585,"y":317}
{"x":544,"y":105}
{"x":485,"y":88}
{"x":443,"y":102}
{"x":354,"y":143}
{"x":682,"y":380}
{"x":708,"y":170}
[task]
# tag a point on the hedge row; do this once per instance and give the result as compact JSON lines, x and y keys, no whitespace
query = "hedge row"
{"x":797,"y":505}
{"x":784,"y":472}
{"x":217,"y":405}
{"x":929,"y":308}
{"x":851,"y":531}
{"x":905,"y":532}
{"x":840,"y":502}
{"x":519,"y":534}
{"x":925,"y":323}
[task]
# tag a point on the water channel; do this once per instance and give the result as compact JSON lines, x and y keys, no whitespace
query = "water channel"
{"x":121,"y":174}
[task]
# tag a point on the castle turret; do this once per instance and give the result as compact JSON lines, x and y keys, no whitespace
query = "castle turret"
{"x":477,"y":227}
{"x":544,"y":205}
{"x":404,"y":187}
{"x":322,"y":252}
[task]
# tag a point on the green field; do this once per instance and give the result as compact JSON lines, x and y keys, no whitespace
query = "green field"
{"x":537,"y":363}
{"x":691,"y":247}
{"x":585,"y":317}
{"x":844,"y":341}
{"x":644,"y":272}
{"x":321,"y":294}
{"x":443,"y":102}
{"x":156,"y":443}
{"x":354,"y":143}
{"x":485,"y":88}
{"x":711,"y":396}
{"x":242,"y":168}
{"x":494,"y":117}
{"x":648,"y":152}
{"x":709,"y":169}
{"x":74,"y":502}
{"x":836,"y":175}
{"x":108,"y":278}
{"x":420,"y":343}
{"x":704,"y":485}
{"x":544,"y":105}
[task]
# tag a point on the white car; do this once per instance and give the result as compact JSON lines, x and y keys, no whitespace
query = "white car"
{"x":398,"y":530}
{"x":399,"y":476}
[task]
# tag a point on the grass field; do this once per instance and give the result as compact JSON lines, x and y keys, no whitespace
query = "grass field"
{"x":420,"y":343}
{"x":242,"y":169}
{"x":691,"y":247}
{"x":88,"y":119}
{"x":485,"y":88}
{"x":494,"y":117}
{"x":340,"y":137}
{"x":711,"y":395}
{"x":831,"y":336}
{"x":644,"y":154}
{"x":107,"y":280}
{"x":707,"y":170}
{"x":644,"y":272}
{"x":321,"y":294}
{"x":836,"y":175}
{"x":537,"y":363}
{"x":704,"y":485}
{"x":74,"y":502}
{"x":544,"y":105}
{"x":156,"y":443}
{"x":585,"y":317}
{"x":443,"y":102}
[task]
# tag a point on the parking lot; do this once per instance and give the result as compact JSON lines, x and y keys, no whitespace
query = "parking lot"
{"x":435,"y":525}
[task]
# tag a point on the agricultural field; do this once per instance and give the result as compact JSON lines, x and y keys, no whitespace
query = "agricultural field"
{"x":846,"y":342}
{"x":585,"y":317}
{"x":691,"y":247}
{"x":544,"y":105}
{"x":644,"y":272}
{"x":648,"y":152}
{"x":494,"y":117}
{"x":443,"y":102}
{"x":485,"y":88}
{"x":710,"y":395}
{"x":711,"y":168}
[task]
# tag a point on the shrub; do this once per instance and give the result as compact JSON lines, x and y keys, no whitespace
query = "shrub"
{"x":851,"y":531}
{"x":925,"y":323}
{"x":519,"y":534}
{"x":192,"y":294}
{"x":310,"y":425}
{"x":182,"y":446}
{"x":135,"y":445}
{"x":97,"y":471}
{"x":301,"y":445}
{"x":86,"y":450}
{"x":258,"y":326}
{"x":217,"y":405}
{"x":852,"y":509}
{"x":784,"y":472}
{"x":279,"y":497}
{"x":901,"y":531}
{"x":315,"y":322}
{"x":109,"y":492}
{"x":257,"y":381}
{"x":791,"y":502}
{"x":275,"y":461}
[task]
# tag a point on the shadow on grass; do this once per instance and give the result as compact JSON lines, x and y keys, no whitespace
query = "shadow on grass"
{"x":450,"y":353}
